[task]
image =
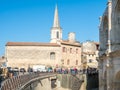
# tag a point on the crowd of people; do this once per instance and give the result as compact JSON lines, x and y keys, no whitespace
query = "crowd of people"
{"x":75,"y":71}
{"x":6,"y":72}
{"x":66,"y":70}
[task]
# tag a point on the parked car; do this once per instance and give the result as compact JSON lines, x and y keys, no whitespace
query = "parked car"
{"x":16,"y":69}
{"x":22,"y":70}
{"x":9,"y":69}
{"x":39,"y":68}
{"x":30,"y":70}
{"x":50,"y":69}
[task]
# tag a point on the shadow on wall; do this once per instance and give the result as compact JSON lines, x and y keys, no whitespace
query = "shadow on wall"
{"x":68,"y":81}
{"x":53,"y":83}
{"x":92,"y":81}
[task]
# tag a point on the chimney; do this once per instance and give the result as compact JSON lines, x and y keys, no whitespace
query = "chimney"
{"x":71,"y":37}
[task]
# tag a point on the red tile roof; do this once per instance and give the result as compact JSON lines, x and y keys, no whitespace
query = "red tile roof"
{"x":71,"y":44}
{"x":31,"y":44}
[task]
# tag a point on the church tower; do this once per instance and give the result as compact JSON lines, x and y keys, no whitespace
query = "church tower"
{"x":56,"y":31}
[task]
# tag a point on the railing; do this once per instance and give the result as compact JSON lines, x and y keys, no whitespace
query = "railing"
{"x":17,"y":82}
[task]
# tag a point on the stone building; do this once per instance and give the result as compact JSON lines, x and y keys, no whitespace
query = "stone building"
{"x":109,"y":56}
{"x":57,"y":53}
{"x":90,"y":54}
{"x":2,"y":61}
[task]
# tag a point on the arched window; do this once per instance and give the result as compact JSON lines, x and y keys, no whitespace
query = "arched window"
{"x":115,"y":32}
{"x":76,"y":62}
{"x":105,"y":33}
{"x":57,"y":34}
{"x":52,"y":56}
{"x":68,"y":62}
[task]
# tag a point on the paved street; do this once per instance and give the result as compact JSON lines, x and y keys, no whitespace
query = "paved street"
{"x":60,"y":89}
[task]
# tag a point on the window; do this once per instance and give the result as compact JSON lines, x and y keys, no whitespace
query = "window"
{"x":62,"y":61}
{"x":76,"y":62}
{"x":70,"y":50}
{"x":68,"y":62}
{"x":118,"y":20}
{"x":57,"y":34}
{"x":64,"y":49}
{"x":52,"y":55}
{"x":76,"y":51}
{"x":90,"y":60}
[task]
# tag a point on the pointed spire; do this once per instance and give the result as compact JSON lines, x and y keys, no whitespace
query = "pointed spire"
{"x":56,"y":19}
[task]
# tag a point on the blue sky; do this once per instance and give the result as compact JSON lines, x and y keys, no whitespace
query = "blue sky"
{"x":31,"y":20}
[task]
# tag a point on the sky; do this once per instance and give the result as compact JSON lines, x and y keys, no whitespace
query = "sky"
{"x":32,"y":20}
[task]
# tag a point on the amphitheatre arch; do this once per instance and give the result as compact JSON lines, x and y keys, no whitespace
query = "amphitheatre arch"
{"x":104,"y":33}
{"x":115,"y":33}
{"x":105,"y":80}
{"x":117,"y":81}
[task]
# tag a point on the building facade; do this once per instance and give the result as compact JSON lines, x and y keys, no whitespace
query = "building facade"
{"x":57,"y":53}
{"x":90,"y":54}
{"x":2,"y":61}
{"x":109,"y":56}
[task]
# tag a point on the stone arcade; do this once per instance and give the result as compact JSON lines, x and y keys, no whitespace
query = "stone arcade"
{"x":109,"y":63}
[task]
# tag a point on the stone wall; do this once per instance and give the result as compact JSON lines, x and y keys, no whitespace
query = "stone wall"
{"x":71,"y":82}
{"x":25,"y":56}
{"x":109,"y":71}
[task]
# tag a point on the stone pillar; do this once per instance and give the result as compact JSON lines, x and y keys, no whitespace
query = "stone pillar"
{"x":108,"y":65}
{"x":109,"y":24}
{"x":101,"y":83}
